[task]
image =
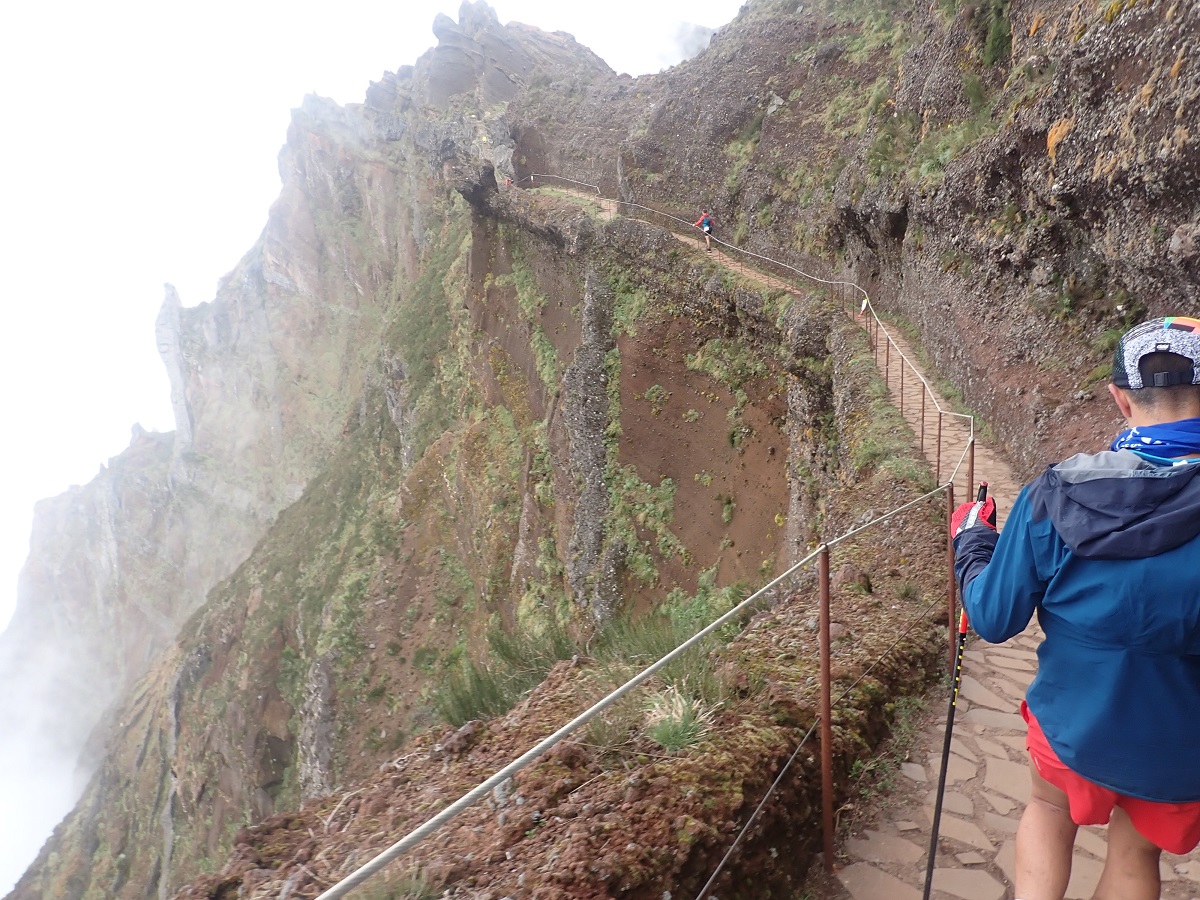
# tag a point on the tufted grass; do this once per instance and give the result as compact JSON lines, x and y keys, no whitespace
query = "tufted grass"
{"x":516,"y":662}
{"x":676,"y":718}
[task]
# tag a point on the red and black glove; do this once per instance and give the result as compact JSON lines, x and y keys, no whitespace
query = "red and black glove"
{"x":968,"y":515}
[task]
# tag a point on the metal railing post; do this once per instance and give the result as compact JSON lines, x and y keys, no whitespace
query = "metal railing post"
{"x":970,"y":465}
{"x":952,"y":586}
{"x":903,"y":366}
{"x":887,"y":364}
{"x":826,"y":713}
{"x":923,"y":392}
{"x":938,"y":468}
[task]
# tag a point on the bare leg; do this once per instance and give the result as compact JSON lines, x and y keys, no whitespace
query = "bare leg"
{"x":1131,"y":869}
{"x":1045,"y":841}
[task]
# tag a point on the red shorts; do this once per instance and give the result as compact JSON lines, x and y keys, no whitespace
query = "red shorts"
{"x":1173,"y":826}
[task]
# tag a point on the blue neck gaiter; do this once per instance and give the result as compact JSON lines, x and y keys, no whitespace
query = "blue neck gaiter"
{"x":1163,"y":442}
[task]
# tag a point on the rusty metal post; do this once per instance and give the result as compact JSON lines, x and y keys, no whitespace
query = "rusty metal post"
{"x":826,"y":712}
{"x":922,"y":420}
{"x":938,"y":468}
{"x":952,"y":592}
{"x":887,"y":365}
{"x":903,"y":365}
{"x":970,"y":465}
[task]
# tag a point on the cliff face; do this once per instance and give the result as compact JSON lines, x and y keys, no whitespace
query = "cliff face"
{"x":427,"y":411}
{"x":262,"y":380}
{"x":51,"y":658}
{"x":1024,"y":171}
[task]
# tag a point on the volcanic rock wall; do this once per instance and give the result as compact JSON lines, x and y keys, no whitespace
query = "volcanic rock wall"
{"x":1016,"y":181}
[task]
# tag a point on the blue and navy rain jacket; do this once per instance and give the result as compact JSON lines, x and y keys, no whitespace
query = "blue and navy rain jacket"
{"x":1105,"y":549}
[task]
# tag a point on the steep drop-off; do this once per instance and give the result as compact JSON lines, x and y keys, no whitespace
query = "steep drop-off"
{"x":436,"y":433}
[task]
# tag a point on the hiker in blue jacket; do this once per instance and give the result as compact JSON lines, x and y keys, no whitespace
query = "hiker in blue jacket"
{"x":1104,"y":548}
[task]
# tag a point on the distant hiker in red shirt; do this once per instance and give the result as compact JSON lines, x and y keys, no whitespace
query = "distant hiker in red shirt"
{"x":705,"y":224}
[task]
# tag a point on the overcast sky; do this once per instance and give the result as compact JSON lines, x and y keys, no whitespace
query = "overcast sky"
{"x":139,"y":147}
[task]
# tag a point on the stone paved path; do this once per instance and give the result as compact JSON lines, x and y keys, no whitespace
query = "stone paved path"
{"x":987,"y":781}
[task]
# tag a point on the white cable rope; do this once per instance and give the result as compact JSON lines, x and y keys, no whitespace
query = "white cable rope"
{"x":530,"y":179}
{"x":421,"y":832}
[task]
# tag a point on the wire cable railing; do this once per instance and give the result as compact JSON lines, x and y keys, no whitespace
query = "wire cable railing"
{"x":848,"y":285}
{"x":823,"y":720}
{"x":530,"y":179}
{"x":891,"y":346}
{"x":417,"y":835}
{"x":753,"y":817}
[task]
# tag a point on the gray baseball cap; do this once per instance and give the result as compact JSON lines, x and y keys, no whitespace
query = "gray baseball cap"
{"x":1173,"y":334}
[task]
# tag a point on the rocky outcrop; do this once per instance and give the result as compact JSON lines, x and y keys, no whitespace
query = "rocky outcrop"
{"x":476,"y":56}
{"x":475,"y":72}
{"x":591,"y":566}
{"x":167,"y":332}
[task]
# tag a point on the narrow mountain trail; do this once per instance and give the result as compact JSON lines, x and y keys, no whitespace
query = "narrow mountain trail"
{"x":885,"y":853}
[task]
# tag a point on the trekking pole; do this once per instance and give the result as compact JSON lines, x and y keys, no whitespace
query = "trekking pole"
{"x":941,"y":787}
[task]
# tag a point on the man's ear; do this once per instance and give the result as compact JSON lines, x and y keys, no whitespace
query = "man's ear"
{"x":1121,"y":398}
